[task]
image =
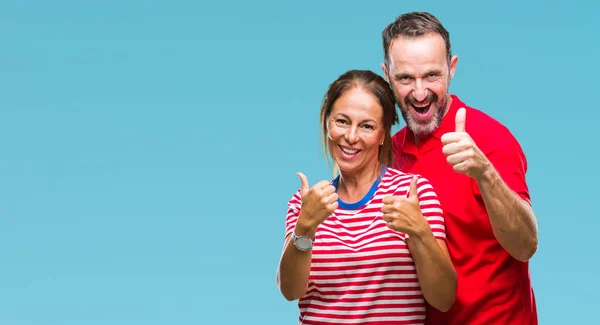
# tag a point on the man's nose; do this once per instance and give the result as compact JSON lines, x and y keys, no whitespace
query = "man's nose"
{"x":420,"y":92}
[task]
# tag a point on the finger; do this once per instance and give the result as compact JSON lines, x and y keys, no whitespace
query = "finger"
{"x":322,"y":185}
{"x":333,"y":197}
{"x":390,"y":224}
{"x":333,"y":205}
{"x":462,"y":167}
{"x":457,"y":158}
{"x":412,"y":190}
{"x":388,"y":200}
{"x":387,"y":217}
{"x":455,"y":147}
{"x":328,"y":190}
{"x":451,"y":137}
{"x":303,"y":183}
{"x":460,"y":119}
{"x":388,"y":208}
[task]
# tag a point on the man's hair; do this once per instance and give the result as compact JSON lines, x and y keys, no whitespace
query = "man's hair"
{"x":414,"y":24}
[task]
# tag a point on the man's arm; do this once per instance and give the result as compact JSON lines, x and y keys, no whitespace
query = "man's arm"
{"x":512,"y":218}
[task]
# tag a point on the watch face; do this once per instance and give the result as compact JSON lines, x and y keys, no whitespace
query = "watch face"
{"x":303,"y":243}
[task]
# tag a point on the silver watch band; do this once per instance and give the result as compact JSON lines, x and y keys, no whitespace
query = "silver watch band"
{"x":302,"y":243}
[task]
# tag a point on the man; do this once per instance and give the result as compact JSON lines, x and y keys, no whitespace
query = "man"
{"x":478,"y":170}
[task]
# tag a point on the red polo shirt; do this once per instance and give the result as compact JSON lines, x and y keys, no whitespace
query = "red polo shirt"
{"x":493,"y":287}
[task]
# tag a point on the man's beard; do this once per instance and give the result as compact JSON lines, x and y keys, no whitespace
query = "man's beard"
{"x":438,"y":107}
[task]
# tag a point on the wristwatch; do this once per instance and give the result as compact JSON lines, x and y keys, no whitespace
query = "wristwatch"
{"x":303,"y":243}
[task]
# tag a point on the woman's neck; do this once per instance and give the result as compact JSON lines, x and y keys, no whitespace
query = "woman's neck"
{"x":352,"y":187}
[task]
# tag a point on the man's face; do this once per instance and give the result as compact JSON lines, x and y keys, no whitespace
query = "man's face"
{"x":420,"y":74}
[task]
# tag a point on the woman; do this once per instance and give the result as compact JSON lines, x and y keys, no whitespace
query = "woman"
{"x":369,"y":246}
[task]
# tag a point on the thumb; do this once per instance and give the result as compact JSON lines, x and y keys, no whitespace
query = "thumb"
{"x":461,"y":119}
{"x":412,"y":191}
{"x":303,"y":182}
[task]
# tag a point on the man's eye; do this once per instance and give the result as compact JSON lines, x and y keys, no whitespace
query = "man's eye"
{"x":404,"y":79}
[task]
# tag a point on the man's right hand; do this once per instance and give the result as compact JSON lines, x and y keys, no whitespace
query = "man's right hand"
{"x":318,"y":203}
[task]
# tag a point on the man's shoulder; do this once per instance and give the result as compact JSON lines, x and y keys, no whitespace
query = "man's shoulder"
{"x":478,"y":120}
{"x":399,"y":134}
{"x":480,"y":124}
{"x":398,"y":137}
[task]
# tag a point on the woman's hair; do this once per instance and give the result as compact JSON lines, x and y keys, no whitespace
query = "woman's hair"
{"x":378,"y":87}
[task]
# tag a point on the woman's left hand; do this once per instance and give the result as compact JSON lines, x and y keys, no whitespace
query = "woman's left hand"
{"x":403,"y":214}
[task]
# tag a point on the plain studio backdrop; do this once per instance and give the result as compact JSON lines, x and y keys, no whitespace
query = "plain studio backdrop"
{"x":148,"y":148}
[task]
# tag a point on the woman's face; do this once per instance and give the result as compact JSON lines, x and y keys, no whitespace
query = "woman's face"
{"x":355,"y":130}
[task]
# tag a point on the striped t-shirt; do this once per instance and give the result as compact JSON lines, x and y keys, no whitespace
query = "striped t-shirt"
{"x":362,"y":271}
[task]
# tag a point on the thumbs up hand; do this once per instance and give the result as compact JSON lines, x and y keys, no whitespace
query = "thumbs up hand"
{"x":318,"y":203}
{"x":403,"y":214}
{"x":461,"y":151}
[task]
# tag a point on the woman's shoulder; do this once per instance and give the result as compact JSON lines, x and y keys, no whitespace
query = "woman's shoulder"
{"x":395,"y":174}
{"x":399,"y":178}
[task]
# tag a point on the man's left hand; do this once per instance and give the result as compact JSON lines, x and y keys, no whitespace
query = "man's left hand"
{"x":461,"y":151}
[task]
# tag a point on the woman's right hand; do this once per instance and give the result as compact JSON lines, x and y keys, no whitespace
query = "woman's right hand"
{"x":318,"y":203}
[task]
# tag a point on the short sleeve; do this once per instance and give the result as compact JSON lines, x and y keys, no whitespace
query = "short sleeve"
{"x":507,"y":157}
{"x":293,"y":212}
{"x":431,"y":208}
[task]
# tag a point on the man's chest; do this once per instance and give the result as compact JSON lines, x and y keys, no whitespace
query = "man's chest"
{"x":455,"y":190}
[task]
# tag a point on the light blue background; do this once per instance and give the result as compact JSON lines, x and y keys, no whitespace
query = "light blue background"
{"x":148,"y":148}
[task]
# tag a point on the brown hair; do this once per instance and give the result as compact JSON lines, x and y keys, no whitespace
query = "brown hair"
{"x":414,"y":24}
{"x":378,"y":87}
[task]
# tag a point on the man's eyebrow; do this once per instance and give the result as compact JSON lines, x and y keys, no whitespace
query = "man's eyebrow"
{"x":435,"y":71}
{"x":406,"y":74}
{"x":402,"y":74}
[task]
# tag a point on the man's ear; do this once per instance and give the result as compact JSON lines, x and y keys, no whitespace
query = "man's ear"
{"x":453,"y":62}
{"x":385,"y":72}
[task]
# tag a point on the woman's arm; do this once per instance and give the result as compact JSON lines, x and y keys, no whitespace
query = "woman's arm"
{"x":416,"y":212}
{"x":307,"y":210}
{"x":294,"y":269}
{"x":434,"y":269}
